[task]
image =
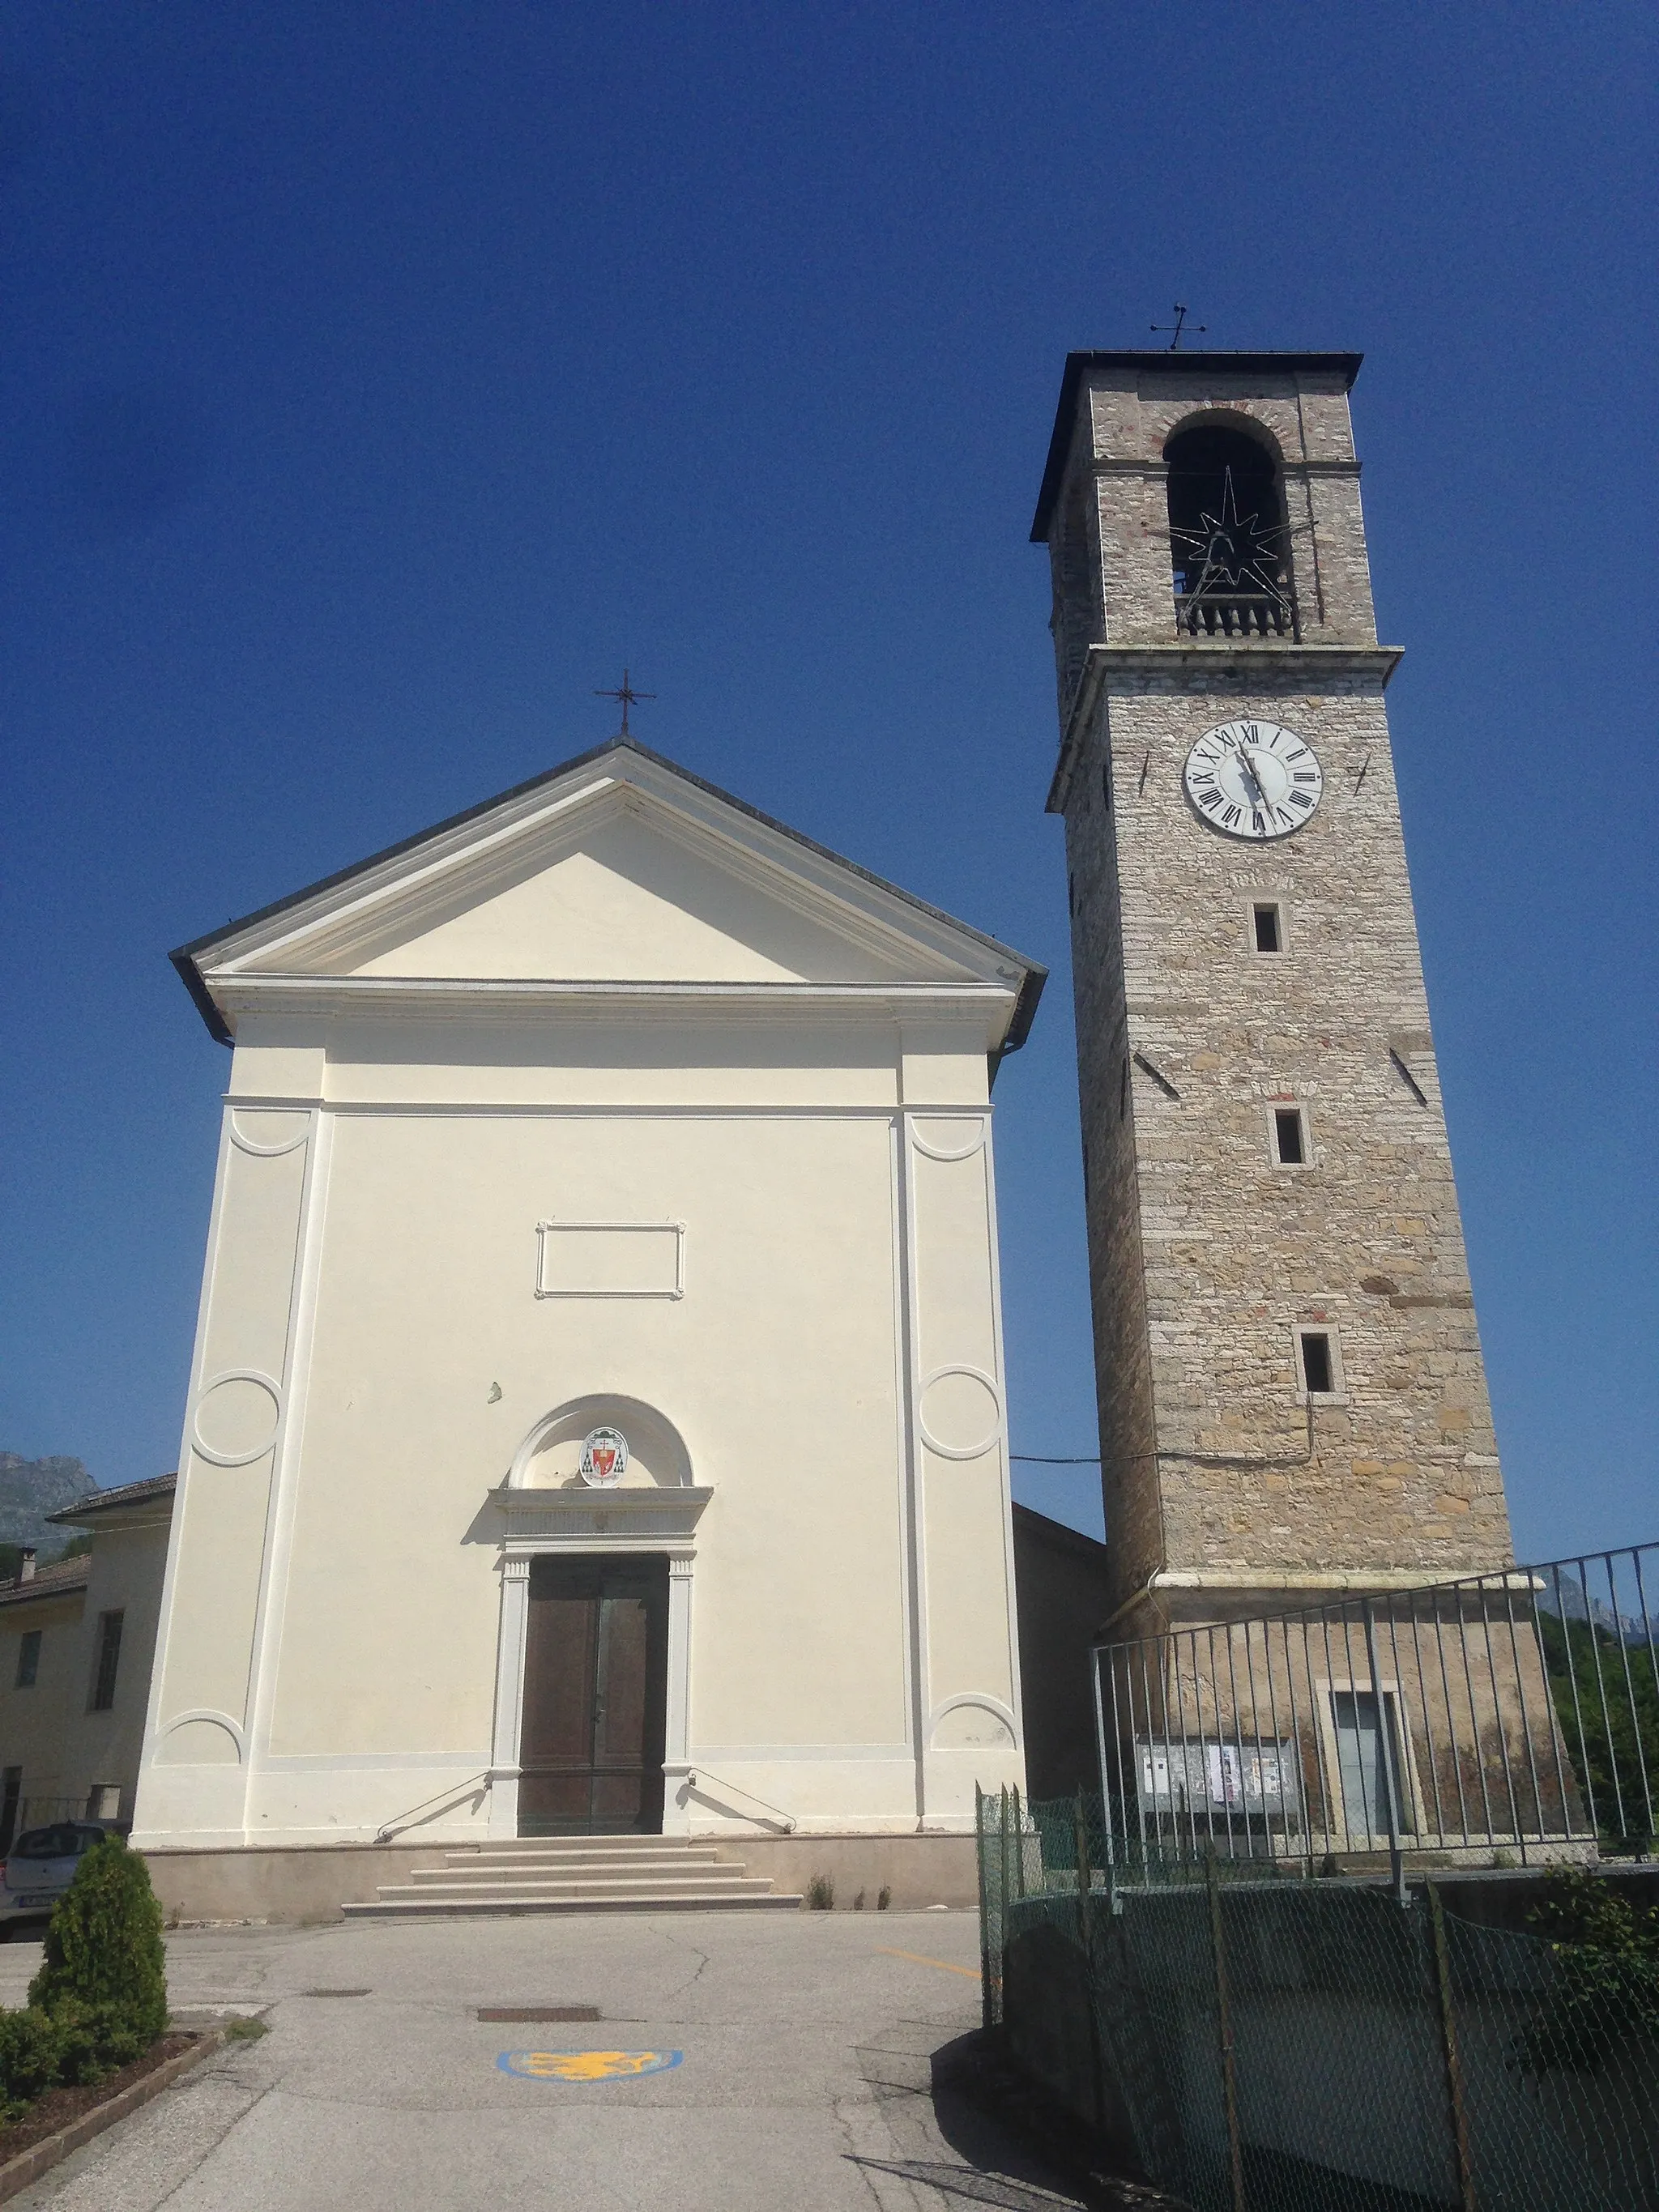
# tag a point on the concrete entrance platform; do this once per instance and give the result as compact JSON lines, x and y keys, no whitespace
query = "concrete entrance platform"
{"x":305,"y":1882}
{"x":810,"y":2047}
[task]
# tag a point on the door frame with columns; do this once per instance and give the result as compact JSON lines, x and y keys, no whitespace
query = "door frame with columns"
{"x":583,"y":1523}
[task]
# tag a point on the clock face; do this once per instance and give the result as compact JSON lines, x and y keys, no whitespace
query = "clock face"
{"x":1253,"y":780}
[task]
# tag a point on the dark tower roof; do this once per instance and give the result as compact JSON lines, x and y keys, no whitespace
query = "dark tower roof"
{"x":1165,"y":363}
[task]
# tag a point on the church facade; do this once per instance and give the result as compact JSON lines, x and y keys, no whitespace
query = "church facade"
{"x":596,"y":1422}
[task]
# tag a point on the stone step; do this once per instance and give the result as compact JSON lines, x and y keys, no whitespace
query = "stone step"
{"x":423,"y":1883}
{"x":672,"y":1845}
{"x":578,"y":1874}
{"x":505,"y":1901}
{"x":491,"y":1857}
{"x":709,"y":1877}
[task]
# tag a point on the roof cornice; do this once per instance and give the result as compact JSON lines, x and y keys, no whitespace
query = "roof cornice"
{"x":154,"y":1489}
{"x":996,"y":1007}
{"x":1344,"y":366}
{"x":49,"y":1583}
{"x":627,"y":772}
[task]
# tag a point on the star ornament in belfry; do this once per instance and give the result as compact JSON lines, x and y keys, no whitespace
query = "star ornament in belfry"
{"x":1235,"y":554}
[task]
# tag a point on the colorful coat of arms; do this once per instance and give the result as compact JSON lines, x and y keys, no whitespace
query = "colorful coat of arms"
{"x":605,"y":1458}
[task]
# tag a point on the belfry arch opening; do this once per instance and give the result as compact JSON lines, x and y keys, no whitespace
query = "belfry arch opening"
{"x":1230,"y":548}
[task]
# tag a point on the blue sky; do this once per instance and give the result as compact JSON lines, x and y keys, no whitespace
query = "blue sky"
{"x":379,"y":379}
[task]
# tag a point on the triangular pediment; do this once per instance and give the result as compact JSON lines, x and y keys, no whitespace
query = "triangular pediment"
{"x":615,"y":891}
{"x":619,"y":870}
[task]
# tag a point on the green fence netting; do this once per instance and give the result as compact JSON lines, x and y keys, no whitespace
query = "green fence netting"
{"x":1282,"y":2045}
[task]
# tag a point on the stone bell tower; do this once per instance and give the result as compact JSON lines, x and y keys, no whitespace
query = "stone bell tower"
{"x":1292,"y":1397}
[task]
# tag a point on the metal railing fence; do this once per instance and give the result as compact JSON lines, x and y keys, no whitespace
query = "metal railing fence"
{"x":1510,"y":1717}
{"x":43,"y":1812}
{"x":1220,"y":613}
{"x":1262,"y":2042}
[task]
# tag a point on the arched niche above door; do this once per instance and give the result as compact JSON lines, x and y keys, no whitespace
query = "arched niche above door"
{"x":549,"y":1457}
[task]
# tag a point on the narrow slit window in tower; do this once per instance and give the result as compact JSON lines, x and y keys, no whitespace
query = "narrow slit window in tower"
{"x":1316,"y":1371}
{"x":1267,"y":936}
{"x":1289,"y":1141}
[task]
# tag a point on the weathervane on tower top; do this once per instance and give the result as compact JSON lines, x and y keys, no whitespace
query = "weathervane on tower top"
{"x":628,"y":697}
{"x":1176,"y":327}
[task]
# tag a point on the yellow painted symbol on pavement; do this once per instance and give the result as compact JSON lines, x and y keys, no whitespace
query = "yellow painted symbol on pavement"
{"x":917,"y":1960}
{"x":588,"y":2065}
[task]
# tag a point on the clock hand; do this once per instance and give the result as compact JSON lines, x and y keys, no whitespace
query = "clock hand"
{"x":1252,"y":780}
{"x":1255,"y":752}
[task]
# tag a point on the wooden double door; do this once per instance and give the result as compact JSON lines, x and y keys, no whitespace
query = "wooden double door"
{"x":595,"y":1697}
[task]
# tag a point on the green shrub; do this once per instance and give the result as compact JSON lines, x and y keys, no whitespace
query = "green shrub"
{"x":94,"y":2039}
{"x":1606,"y":1994}
{"x":71,"y":2043}
{"x":100,"y":1997}
{"x":103,"y":1949}
{"x":31,"y":2044}
{"x":821,"y":1894}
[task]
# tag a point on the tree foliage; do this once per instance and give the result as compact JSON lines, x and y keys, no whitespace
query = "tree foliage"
{"x":1606,"y":1702}
{"x":1606,"y":1992}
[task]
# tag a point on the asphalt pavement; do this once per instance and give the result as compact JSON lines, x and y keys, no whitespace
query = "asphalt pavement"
{"x":773,"y":2061}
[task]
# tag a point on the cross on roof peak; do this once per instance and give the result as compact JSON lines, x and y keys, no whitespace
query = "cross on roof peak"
{"x":628,"y":697}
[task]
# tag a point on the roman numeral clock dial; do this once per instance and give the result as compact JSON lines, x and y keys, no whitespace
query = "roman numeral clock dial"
{"x":1255,"y":780}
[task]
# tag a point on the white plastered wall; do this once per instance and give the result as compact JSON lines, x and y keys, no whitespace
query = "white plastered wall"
{"x":345,"y":1584}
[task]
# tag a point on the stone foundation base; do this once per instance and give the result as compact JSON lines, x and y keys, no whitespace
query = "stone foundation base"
{"x":305,"y":1884}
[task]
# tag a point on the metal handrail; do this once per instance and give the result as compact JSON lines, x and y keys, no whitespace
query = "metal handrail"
{"x":485,"y":1774}
{"x":790,"y":1823}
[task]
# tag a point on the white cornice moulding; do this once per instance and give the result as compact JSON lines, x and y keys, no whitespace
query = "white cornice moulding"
{"x":483,"y":852}
{"x":990,"y":1007}
{"x":579,"y":1516}
{"x":1356,"y":1579}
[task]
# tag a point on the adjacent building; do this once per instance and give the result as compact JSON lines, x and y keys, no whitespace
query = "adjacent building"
{"x":76,"y":1640}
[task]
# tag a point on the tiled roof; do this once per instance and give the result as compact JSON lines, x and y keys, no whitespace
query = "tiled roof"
{"x":56,"y":1580}
{"x":102,"y":1501}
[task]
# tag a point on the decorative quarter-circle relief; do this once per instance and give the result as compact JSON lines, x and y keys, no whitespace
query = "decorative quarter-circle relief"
{"x":957,"y":1138}
{"x":267,"y":1132}
{"x":961,"y":1412}
{"x":236,"y":1418}
{"x":975,"y":1720}
{"x":201,"y":1738}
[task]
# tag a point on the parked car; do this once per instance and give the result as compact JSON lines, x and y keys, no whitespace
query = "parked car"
{"x":40,"y":1866}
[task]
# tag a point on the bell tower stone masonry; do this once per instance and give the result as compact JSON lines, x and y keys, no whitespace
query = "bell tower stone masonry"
{"x":1291,"y":1398}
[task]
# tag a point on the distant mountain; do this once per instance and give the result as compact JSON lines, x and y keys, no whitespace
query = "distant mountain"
{"x":1639,"y":1625}
{"x":32,"y":1488}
